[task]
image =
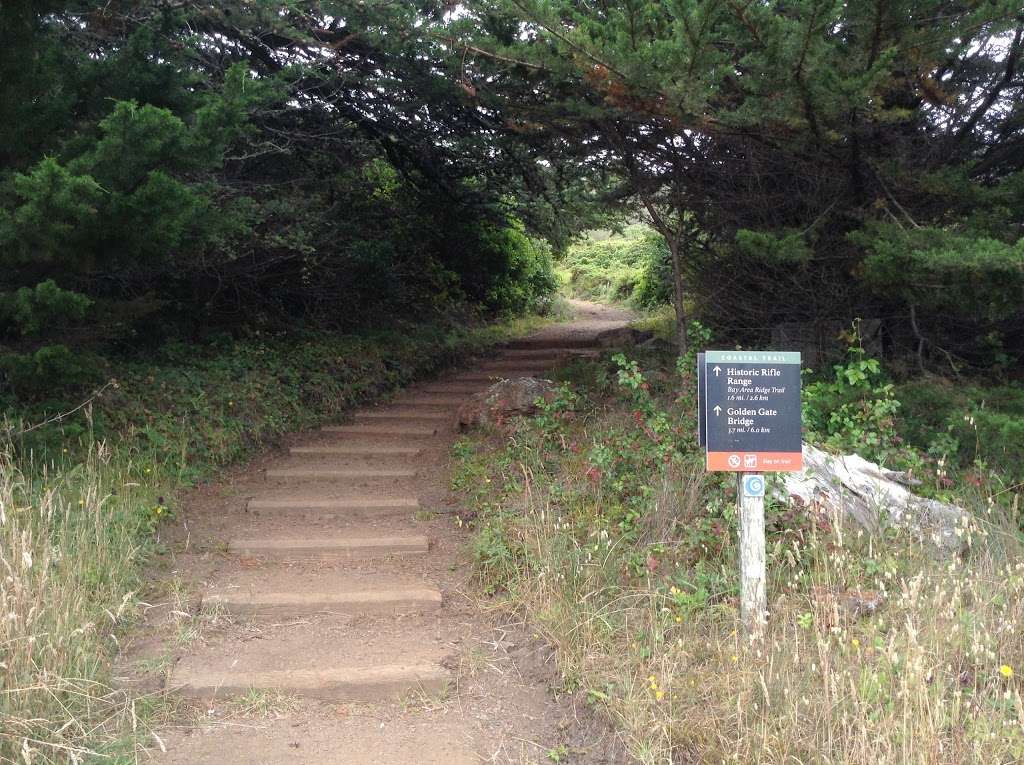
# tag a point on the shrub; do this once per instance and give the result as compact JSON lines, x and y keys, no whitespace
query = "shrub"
{"x":854,"y":411}
{"x":631,"y":268}
{"x":966,"y":424}
{"x":523,"y":275}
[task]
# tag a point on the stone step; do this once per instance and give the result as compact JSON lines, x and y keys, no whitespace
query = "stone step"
{"x":329,"y":508}
{"x":339,"y":684}
{"x":402,"y":416}
{"x":336,"y":474}
{"x":330,"y":549}
{"x":357,"y":450}
{"x":381,"y":430}
{"x":291,"y":604}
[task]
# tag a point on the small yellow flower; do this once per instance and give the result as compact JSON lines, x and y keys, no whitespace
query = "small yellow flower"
{"x":652,"y":679}
{"x":659,"y":695}
{"x":1006,"y":671}
{"x":855,"y":643}
{"x":678,"y":619}
{"x":735,"y":658}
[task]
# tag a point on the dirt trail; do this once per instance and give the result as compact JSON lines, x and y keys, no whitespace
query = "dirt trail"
{"x":337,"y":625}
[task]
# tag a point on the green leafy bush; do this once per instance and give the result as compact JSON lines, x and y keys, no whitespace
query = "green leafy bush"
{"x":46,"y":306}
{"x":631,"y":268}
{"x":523,"y":276}
{"x":855,"y":411}
{"x":967,"y":425}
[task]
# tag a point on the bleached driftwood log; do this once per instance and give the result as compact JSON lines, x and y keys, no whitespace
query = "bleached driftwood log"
{"x":873,"y":497}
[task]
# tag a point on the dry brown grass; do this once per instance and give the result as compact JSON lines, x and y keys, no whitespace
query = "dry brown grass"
{"x":934,"y":676}
{"x":69,"y":554}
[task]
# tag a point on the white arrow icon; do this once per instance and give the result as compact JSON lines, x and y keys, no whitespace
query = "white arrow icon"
{"x":718,"y":411}
{"x":717,"y":371}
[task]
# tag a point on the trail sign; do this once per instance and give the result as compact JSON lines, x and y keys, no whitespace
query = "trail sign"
{"x":748,"y":414}
{"x":751,"y":410}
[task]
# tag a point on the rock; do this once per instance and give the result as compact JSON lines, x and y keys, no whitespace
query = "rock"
{"x":621,"y":337}
{"x":504,"y":399}
{"x":851,"y":487}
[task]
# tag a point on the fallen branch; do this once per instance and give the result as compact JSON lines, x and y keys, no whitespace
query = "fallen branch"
{"x":873,"y":497}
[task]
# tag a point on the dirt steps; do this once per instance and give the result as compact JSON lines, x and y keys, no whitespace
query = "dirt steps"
{"x":322,"y":657}
{"x":400,"y":416}
{"x":553,"y":354}
{"x":447,"y":402}
{"x":330,"y":508}
{"x":329,"y":592}
{"x":449,"y":388}
{"x":492,"y":377}
{"x":337,"y":474}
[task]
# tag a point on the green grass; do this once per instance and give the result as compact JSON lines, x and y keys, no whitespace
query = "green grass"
{"x":81,"y":499}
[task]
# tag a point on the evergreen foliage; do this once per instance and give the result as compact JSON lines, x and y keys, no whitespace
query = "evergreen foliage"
{"x":174,"y":171}
{"x":835,"y":156}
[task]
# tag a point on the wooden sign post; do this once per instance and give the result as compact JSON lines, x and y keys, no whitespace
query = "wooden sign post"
{"x":753,"y":573}
{"x":750,"y":423}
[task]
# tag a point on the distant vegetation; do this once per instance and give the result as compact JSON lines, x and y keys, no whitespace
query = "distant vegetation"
{"x":631,"y":267}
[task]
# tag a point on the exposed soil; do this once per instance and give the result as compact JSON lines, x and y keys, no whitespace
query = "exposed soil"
{"x":504,"y":702}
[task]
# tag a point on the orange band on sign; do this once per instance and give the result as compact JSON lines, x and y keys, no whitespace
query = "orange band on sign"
{"x":756,"y":462}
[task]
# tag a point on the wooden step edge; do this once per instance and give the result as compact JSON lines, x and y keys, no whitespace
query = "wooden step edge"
{"x":359,"y":451}
{"x":461,"y":390}
{"x":555,"y":354}
{"x":289,"y":604}
{"x":331,"y":548}
{"x":361,"y":503}
{"x":374,"y":416}
{"x":378,"y":430}
{"x":372,"y":683}
{"x":329,"y":474}
{"x":425,"y":401}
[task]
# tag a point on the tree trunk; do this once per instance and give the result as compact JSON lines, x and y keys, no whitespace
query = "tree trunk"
{"x":677,"y":284}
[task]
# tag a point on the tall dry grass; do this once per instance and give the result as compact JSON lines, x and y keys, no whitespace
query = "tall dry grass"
{"x":932,"y":676}
{"x":70,"y":555}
